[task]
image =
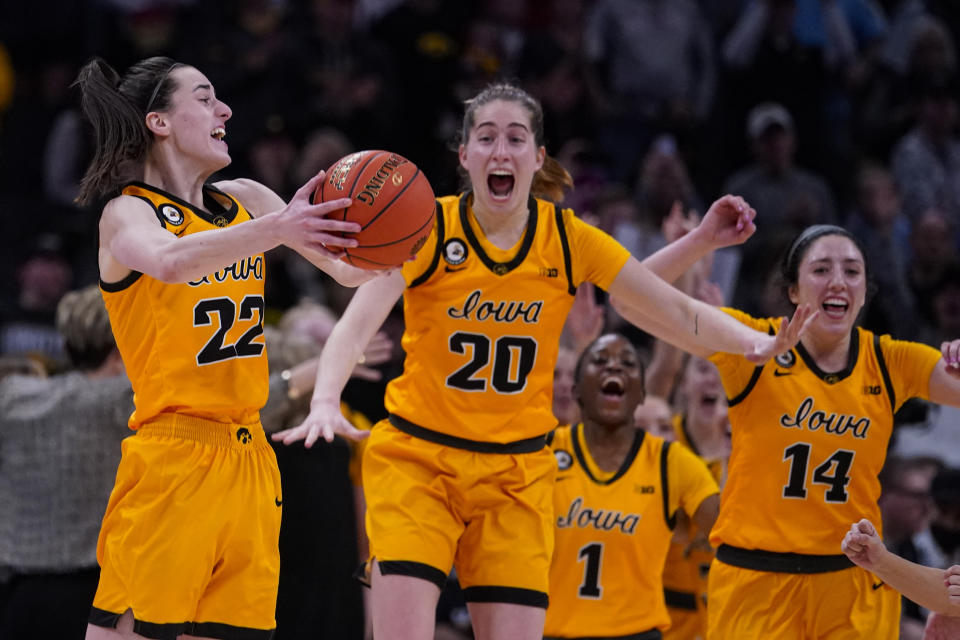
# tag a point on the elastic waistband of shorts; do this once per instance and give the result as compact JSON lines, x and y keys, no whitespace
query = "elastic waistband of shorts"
{"x":680,"y":599}
{"x":777,"y":562}
{"x":204,"y":431}
{"x":530,"y":445}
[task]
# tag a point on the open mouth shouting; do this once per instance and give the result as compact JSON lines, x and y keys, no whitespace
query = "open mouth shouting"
{"x":835,"y":308}
{"x":219,"y":133}
{"x":612,"y":388}
{"x":500,"y":184}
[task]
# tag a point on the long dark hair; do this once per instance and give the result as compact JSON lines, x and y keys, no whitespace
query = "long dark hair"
{"x":116,"y":107}
{"x":550,"y":181}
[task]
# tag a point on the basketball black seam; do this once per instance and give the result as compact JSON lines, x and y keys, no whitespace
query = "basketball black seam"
{"x":387,"y":206}
{"x":373,"y":156}
{"x":387,"y":244}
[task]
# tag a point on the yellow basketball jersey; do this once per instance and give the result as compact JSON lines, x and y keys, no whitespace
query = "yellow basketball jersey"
{"x":686,"y":569}
{"x":808,"y":445}
{"x":612,"y":534}
{"x":483,"y":323}
{"x":193,"y":348}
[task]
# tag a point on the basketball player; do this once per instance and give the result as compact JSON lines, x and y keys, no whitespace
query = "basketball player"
{"x":810,"y":434}
{"x":618,"y":492}
{"x":459,"y":474}
{"x":188,"y":545}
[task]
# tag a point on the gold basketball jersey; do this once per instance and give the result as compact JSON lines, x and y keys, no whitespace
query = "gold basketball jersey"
{"x":193,"y":348}
{"x":483,"y":323}
{"x":612,"y":534}
{"x":808,"y":445}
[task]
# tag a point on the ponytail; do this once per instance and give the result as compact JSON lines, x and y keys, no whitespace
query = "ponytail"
{"x":116,"y":108}
{"x":550,"y":182}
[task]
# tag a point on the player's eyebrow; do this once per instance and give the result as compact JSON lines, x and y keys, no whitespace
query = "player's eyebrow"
{"x":512,"y":124}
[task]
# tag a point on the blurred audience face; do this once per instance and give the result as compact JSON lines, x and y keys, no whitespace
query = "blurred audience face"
{"x":906,"y":506}
{"x":44,"y":278}
{"x":877,"y":197}
{"x":932,"y":239}
{"x":565,"y":408}
{"x":655,"y":417}
{"x":701,"y":390}
{"x":774,"y":149}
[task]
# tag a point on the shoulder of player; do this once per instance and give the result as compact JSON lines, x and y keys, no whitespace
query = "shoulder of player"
{"x":258,"y":199}
{"x":125,"y":209}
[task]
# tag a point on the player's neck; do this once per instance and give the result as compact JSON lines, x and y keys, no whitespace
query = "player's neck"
{"x":831,"y":353}
{"x":176,"y":179}
{"x":608,"y":446}
{"x":502,"y":230}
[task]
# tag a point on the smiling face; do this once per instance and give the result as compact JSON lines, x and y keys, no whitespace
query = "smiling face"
{"x":564,"y":408}
{"x":501,"y":156}
{"x":832,"y":278}
{"x":701,"y":390}
{"x":610,"y":384}
{"x":195,"y":122}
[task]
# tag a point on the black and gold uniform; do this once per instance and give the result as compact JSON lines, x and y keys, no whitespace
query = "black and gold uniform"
{"x":806,"y":453}
{"x":459,"y":473}
{"x":613,"y":530}
{"x":189,"y":539}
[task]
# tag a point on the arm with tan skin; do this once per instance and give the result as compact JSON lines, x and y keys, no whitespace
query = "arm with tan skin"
{"x":368,"y":308}
{"x":935,"y":589}
{"x":131,"y":238}
{"x":694,"y":326}
{"x":945,"y":377}
{"x":258,"y":199}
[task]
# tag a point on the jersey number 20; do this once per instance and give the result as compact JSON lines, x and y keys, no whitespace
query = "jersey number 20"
{"x":509,"y":375}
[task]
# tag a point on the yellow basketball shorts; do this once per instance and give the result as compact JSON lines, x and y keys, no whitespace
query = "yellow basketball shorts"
{"x":850,"y":604}
{"x":431,"y":506}
{"x":189,"y":541}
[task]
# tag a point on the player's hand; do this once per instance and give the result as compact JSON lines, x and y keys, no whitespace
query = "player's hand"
{"x":325,"y":421}
{"x":862,"y":544}
{"x":303,"y":225}
{"x":585,"y":319}
{"x":951,"y":357}
{"x":787,"y":337}
{"x":941,"y":627}
{"x":951,"y":578}
{"x":728,"y":222}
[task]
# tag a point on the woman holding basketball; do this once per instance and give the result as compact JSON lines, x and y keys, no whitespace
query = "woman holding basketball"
{"x":189,"y":540}
{"x":459,"y":474}
{"x":810,"y":435}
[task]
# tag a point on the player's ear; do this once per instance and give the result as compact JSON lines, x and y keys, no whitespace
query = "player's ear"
{"x":462,"y":154}
{"x":157,"y":123}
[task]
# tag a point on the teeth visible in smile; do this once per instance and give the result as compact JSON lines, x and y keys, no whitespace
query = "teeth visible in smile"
{"x":219,"y":133}
{"x":612,"y":385}
{"x":500,"y":172}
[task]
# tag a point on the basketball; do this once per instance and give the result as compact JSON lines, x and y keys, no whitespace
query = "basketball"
{"x":392,"y":202}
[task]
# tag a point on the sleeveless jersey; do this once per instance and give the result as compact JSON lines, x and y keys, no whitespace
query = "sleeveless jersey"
{"x":808,"y":445}
{"x":483,"y":323}
{"x":612,"y":534}
{"x":686,"y":570}
{"x":194,"y":348}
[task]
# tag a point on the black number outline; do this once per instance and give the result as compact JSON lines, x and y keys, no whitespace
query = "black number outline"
{"x":464,"y":378}
{"x":215,"y":350}
{"x":834,"y":472}
{"x":591,"y":555}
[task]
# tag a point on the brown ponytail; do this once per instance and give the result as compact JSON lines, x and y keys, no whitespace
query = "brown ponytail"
{"x":550,"y":182}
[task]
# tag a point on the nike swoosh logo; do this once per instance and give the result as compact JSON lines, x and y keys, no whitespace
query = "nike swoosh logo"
{"x":780,"y":372}
{"x":562,"y":478}
{"x":278,"y":501}
{"x":877,"y":586}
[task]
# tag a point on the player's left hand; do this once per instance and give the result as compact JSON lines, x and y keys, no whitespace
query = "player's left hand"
{"x":728,"y":222}
{"x":787,"y":337}
{"x":862,"y":544}
{"x":951,"y":357}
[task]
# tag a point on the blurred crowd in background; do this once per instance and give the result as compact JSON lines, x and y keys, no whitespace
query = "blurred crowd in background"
{"x":841,"y":111}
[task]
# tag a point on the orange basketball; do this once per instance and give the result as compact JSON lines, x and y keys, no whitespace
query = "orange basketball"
{"x":392,"y":202}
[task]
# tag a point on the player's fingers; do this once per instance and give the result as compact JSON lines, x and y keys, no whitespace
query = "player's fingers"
{"x":366,"y":373}
{"x":326,"y":208}
{"x":309,"y":187}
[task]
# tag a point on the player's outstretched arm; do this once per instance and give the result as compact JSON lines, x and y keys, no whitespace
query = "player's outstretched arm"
{"x":367,"y":310}
{"x":303,"y":226}
{"x":935,"y":589}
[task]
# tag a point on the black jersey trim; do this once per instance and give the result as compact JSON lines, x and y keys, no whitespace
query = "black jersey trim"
{"x":885,"y":372}
{"x":737,"y":399}
{"x":120,"y":285}
{"x":528,"y":445}
{"x":669,"y":518}
{"x":638,"y":437}
{"x":565,"y":245}
{"x":512,"y":595}
{"x":652,"y":634}
{"x":499,"y":268}
{"x":680,"y":599}
{"x":777,"y":562}
{"x":170,"y":631}
{"x":423,"y":277}
{"x":549,"y":437}
{"x":413,"y":569}
{"x":217,"y":209}
{"x":833,"y":378}
{"x":686,"y":434}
